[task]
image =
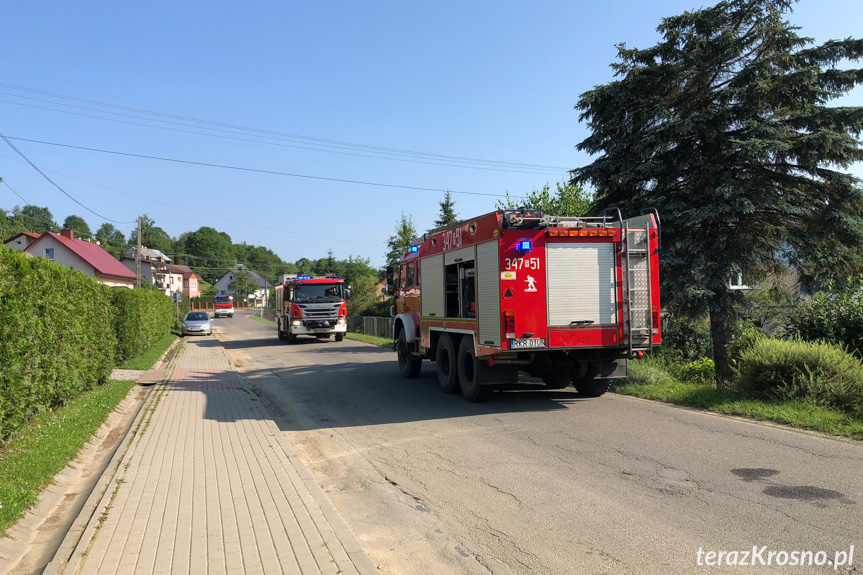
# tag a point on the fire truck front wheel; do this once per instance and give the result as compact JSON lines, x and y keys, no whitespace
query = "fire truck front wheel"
{"x":470,"y":370}
{"x":408,"y":364}
{"x":447,"y":367}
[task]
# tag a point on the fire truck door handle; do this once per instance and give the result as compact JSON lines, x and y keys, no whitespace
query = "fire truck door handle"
{"x":457,"y":260}
{"x":431,"y":314}
{"x":581,"y":322}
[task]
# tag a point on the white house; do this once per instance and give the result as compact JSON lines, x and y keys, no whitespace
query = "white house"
{"x":259,"y":298}
{"x":21,"y":241}
{"x":155,"y":268}
{"x":83,"y":256}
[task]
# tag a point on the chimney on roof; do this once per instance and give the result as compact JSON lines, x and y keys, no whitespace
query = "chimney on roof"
{"x":68,"y":234}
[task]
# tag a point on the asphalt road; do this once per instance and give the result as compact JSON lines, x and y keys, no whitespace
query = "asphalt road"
{"x":544,"y":481}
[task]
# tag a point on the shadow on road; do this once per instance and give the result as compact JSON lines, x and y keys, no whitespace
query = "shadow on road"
{"x":360,"y":394}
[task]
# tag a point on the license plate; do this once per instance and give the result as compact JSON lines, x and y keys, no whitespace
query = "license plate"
{"x":322,"y":331}
{"x":527,"y":343}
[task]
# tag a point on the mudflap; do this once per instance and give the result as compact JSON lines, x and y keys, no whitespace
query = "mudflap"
{"x":606,"y":369}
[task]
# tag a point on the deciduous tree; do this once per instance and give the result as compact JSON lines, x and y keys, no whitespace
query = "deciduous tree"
{"x":570,"y":199}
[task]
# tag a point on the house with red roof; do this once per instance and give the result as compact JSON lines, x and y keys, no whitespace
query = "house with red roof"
{"x":84,"y":256}
{"x":191,"y":281}
{"x":21,"y":241}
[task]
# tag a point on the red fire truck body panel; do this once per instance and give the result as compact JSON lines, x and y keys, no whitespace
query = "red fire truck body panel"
{"x":520,"y":285}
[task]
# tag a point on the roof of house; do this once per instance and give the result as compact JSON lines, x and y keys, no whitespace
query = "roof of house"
{"x":28,"y":234}
{"x":148,"y":253}
{"x":239,"y":268}
{"x":103,"y":262}
{"x":185,"y":270}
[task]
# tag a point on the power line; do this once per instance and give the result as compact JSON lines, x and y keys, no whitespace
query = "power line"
{"x":256,"y":225}
{"x":16,"y":193}
{"x":319,"y":141}
{"x":44,"y":175}
{"x":254,"y":170}
{"x":537,"y":171}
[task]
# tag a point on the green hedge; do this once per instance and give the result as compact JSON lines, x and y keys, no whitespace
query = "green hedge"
{"x":820,"y":372}
{"x":56,"y":336}
{"x":61,"y":333}
{"x":143,"y":318}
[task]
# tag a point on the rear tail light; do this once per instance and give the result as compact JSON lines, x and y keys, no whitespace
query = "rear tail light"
{"x":509,"y":323}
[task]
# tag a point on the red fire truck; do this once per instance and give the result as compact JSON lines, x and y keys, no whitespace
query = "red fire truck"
{"x":313,"y":306}
{"x":565,"y":299}
{"x":223,"y":306}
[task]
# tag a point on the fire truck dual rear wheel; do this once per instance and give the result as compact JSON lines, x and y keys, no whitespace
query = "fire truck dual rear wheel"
{"x":445,"y":360}
{"x":593,"y":387}
{"x":470,"y":371}
{"x":408,"y":365}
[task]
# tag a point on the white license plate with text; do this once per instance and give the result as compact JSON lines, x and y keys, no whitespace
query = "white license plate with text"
{"x":527,"y":343}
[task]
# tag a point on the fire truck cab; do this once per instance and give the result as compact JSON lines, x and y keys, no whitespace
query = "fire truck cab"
{"x":565,"y":299}
{"x":313,"y":306}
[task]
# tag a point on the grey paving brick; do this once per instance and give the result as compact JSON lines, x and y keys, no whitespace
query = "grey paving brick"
{"x":210,"y":485}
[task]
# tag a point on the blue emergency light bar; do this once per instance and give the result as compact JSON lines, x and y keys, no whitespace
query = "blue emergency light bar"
{"x":415,"y":248}
{"x":304,"y":277}
{"x":524,"y":246}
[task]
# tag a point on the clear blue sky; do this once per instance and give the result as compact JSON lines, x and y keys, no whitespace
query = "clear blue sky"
{"x":487,"y":80}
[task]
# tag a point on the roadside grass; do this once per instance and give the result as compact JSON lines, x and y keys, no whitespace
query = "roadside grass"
{"x":262,"y":319}
{"x":372,"y":339}
{"x":649,"y":381}
{"x":146,"y":360}
{"x":32,"y":457}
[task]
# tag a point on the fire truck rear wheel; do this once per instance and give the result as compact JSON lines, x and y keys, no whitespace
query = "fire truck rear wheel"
{"x":593,"y":387}
{"x":470,"y":370}
{"x":447,"y":366}
{"x":408,"y":365}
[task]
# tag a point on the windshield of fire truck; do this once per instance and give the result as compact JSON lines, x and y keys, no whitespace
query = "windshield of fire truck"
{"x":319,"y":293}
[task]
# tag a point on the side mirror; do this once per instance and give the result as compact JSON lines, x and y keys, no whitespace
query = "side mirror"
{"x":348,"y":293}
{"x":390,"y":276}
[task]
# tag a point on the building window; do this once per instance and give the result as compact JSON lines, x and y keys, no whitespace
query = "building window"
{"x":49,"y":254}
{"x":194,"y":284}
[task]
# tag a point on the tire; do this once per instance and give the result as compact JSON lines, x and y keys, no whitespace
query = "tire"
{"x":470,"y":370}
{"x":280,"y":332}
{"x":409,"y":366}
{"x":592,"y":387}
{"x":292,"y":338}
{"x":446,"y":361}
{"x":557,"y":379}
{"x":340,"y":336}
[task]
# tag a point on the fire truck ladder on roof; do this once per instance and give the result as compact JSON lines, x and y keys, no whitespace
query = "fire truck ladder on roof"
{"x":636,"y":273}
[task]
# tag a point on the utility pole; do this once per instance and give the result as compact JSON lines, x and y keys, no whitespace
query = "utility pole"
{"x":138,"y":257}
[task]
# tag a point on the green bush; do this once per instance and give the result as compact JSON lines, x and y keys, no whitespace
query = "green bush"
{"x":143,"y":318}
{"x":686,"y":340}
{"x":699,"y":371}
{"x":56,"y":336}
{"x":817,"y":371}
{"x":831,"y":316}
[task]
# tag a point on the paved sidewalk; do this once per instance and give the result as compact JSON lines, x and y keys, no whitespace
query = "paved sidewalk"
{"x":208,"y":484}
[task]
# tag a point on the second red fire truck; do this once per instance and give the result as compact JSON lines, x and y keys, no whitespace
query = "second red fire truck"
{"x":566,"y":299}
{"x":313,"y":306}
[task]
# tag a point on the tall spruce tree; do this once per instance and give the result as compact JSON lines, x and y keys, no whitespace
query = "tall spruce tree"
{"x":400,"y":241}
{"x":447,"y":214}
{"x":724,"y":126}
